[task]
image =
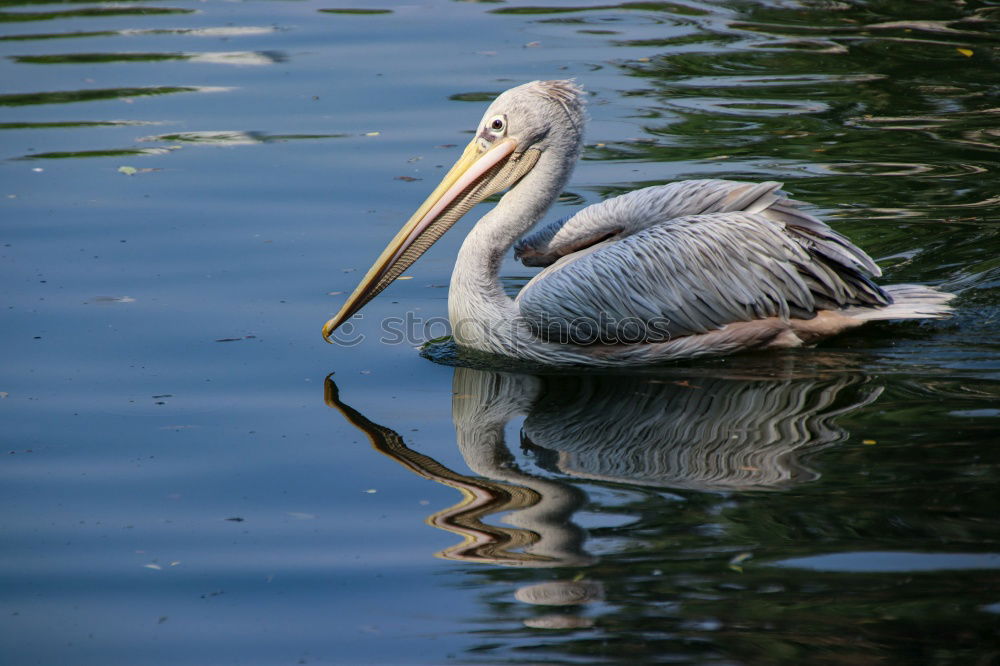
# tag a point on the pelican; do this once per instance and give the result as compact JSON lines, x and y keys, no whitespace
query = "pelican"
{"x":688,"y":269}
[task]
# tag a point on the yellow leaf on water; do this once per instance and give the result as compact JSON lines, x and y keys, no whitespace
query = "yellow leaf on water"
{"x":736,"y":562}
{"x":966,"y":52}
{"x":869,"y":442}
{"x":741,"y":558}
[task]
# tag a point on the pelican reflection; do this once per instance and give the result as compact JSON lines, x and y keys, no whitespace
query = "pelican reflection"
{"x":709,"y":433}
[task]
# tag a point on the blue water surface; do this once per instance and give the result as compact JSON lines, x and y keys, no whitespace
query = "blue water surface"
{"x":190,"y":189}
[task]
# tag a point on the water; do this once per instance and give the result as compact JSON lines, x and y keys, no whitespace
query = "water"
{"x":188,"y":190}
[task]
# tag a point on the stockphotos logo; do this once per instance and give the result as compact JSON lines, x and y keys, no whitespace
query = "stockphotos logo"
{"x":414,"y":330}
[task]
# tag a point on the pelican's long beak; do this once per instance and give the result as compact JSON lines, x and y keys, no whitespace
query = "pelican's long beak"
{"x":483,"y":169}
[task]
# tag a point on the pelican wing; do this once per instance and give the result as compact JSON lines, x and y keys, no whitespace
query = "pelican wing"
{"x":695,"y":274}
{"x":622,"y":216}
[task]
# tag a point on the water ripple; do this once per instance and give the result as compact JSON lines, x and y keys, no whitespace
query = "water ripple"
{"x":222,"y":31}
{"x":89,"y":12}
{"x":89,"y":95}
{"x":217,"y":57}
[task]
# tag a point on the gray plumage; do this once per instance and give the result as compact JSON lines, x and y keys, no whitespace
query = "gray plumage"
{"x":693,"y":274}
{"x":659,"y":273}
{"x":694,"y":268}
{"x":629,"y":213}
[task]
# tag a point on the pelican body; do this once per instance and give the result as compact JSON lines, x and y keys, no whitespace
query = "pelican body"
{"x":692,"y":268}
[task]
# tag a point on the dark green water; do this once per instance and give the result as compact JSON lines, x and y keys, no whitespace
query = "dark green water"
{"x":188,"y":188}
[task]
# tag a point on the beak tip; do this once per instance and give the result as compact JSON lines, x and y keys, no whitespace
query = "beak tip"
{"x":327,"y":332}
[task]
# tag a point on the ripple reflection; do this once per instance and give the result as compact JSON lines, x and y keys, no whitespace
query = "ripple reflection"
{"x":706,"y":433}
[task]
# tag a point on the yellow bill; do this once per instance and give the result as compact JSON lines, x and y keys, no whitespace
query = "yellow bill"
{"x":482,"y":170}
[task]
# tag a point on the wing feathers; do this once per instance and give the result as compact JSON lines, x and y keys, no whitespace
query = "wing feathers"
{"x":630,"y":213}
{"x":697,"y":273}
{"x":814,"y":233}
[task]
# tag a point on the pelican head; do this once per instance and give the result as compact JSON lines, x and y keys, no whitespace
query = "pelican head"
{"x":515,"y":132}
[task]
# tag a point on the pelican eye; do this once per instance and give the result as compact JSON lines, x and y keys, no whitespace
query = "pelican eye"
{"x":498,"y":124}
